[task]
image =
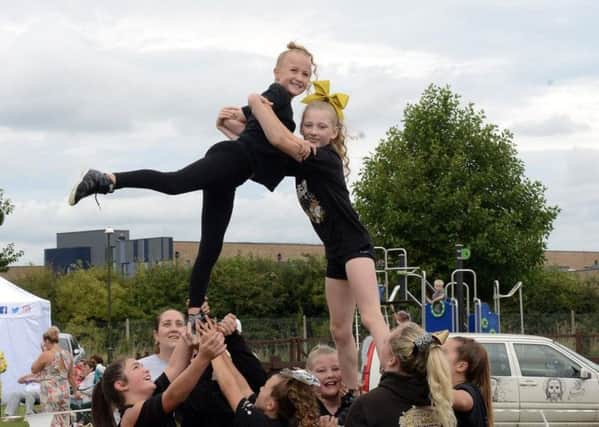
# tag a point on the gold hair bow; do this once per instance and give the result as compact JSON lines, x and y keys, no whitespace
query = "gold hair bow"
{"x":322,"y":93}
{"x":441,"y":336}
{"x":426,"y":339}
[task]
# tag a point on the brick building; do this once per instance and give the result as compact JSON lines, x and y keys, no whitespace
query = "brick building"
{"x":186,"y":252}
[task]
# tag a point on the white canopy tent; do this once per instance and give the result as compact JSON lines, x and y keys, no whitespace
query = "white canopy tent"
{"x":24,"y":318}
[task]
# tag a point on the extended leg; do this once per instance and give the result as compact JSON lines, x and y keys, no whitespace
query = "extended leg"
{"x":216,"y":214}
{"x":225,"y":164}
{"x":362,"y":282}
{"x":342,"y":306}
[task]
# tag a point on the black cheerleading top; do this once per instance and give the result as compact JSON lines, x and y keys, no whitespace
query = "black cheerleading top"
{"x":247,"y":415}
{"x":323,"y":195}
{"x":152,"y":413}
{"x":267,"y":162}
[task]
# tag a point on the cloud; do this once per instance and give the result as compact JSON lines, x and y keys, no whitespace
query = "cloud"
{"x":127,"y":85}
{"x":553,"y":126}
{"x":259,"y":216}
{"x":571,"y":184}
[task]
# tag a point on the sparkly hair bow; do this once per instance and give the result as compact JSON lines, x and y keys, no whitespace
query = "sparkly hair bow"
{"x":300,"y":375}
{"x":322,"y":93}
{"x":426,"y":339}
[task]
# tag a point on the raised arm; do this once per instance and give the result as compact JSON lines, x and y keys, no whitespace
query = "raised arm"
{"x":212,"y":343}
{"x":41,"y":361}
{"x":230,"y":381}
{"x":180,"y":358}
{"x":276,"y":133}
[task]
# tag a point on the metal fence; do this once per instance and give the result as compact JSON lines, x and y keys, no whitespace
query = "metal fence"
{"x":289,"y":339}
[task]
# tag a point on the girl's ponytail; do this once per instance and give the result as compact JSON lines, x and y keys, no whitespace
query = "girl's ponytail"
{"x":438,"y":377}
{"x":105,"y":398}
{"x":420,"y":355}
{"x":101,"y":408}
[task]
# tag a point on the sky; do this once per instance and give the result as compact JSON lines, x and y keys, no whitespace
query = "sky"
{"x":119,"y":85}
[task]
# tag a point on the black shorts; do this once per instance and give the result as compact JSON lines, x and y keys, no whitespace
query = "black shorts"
{"x":336,"y":266}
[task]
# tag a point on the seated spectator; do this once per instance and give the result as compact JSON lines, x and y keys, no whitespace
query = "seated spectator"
{"x":86,"y":385}
{"x":30,"y":393}
{"x":99,"y":371}
{"x":85,"y":388}
{"x":333,"y":399}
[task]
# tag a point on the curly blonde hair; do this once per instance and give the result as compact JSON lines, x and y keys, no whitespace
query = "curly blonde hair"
{"x":295,"y":47}
{"x":296,"y":403}
{"x":339,"y":142}
{"x":428,"y":362}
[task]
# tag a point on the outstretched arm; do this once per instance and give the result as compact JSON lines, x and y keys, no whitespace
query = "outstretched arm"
{"x":231,"y":382}
{"x":180,"y":358}
{"x":276,"y":133}
{"x":212,"y":343}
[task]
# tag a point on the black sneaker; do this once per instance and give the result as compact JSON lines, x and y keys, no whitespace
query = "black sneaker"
{"x":91,"y":182}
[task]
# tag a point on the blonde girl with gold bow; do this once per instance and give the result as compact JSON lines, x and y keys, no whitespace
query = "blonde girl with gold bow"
{"x":226,"y":165}
{"x":323,"y":194}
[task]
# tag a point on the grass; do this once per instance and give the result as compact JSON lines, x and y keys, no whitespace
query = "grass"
{"x":15,"y":423}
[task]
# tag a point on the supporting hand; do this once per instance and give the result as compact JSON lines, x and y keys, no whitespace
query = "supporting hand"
{"x":228,"y":325}
{"x":212,"y":341}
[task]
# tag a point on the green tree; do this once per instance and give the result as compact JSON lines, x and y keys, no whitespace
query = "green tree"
{"x":8,"y":254}
{"x":41,"y":283}
{"x":450,"y":177}
{"x":156,"y":288}
{"x":549,"y":297}
{"x":257,"y":287}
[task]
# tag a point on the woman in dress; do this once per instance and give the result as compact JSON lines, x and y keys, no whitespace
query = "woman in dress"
{"x":55,"y":367}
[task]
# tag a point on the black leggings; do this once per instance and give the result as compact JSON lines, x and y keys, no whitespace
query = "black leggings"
{"x":225,"y":167}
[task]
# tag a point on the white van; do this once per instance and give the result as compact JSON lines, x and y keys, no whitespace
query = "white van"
{"x":70,"y":344}
{"x":534,"y":380}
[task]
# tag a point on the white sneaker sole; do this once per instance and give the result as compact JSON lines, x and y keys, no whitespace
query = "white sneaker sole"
{"x":74,"y":189}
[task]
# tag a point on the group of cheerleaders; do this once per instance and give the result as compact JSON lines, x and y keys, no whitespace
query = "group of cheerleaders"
{"x":263,"y":148}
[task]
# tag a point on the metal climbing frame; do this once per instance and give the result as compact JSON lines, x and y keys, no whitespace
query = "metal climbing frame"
{"x":498,"y":296}
{"x":475,"y":300}
{"x":384,"y":269}
{"x":408,"y":272}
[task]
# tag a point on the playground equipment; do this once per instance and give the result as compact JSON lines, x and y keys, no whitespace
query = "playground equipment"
{"x":392,"y":267}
